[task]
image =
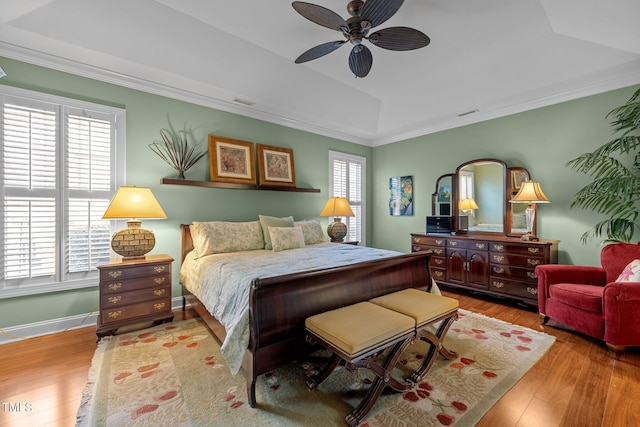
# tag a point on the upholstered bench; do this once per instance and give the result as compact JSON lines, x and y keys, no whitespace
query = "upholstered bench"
{"x":357,"y":332}
{"x":354,"y":333}
{"x":426,"y":310}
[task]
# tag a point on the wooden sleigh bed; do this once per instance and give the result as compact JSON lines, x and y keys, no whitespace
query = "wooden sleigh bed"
{"x":278,"y":306}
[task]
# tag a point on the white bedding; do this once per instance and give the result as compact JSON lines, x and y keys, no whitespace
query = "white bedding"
{"x":222,"y":281}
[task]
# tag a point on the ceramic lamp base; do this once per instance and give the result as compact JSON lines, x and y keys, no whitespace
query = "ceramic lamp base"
{"x":337,"y":230}
{"x":133,"y":242}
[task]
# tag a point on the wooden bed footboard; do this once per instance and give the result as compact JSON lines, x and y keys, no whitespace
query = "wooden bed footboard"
{"x":278,"y":306}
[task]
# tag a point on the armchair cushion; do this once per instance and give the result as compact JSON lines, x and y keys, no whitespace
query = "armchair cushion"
{"x":631,"y":273}
{"x":586,"y":297}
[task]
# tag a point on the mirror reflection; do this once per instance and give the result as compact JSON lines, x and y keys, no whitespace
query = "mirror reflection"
{"x":481,"y":195}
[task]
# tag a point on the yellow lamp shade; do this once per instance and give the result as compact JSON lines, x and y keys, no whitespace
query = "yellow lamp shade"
{"x":133,"y":203}
{"x":337,"y":207}
{"x":467,"y":204}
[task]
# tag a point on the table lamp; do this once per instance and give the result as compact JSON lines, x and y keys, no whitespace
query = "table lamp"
{"x":337,"y":207}
{"x":467,"y":204}
{"x":133,"y":203}
{"x":530,"y":192}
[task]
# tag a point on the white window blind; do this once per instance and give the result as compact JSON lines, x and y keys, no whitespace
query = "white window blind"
{"x":60,"y":168}
{"x":347,"y":178}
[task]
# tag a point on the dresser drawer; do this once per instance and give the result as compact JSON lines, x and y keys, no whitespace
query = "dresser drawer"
{"x":111,"y":274}
{"x":439,"y":274}
{"x":516,"y":260}
{"x":125,"y":298}
{"x":120,"y":286}
{"x":500,"y":271}
{"x":429,"y":240}
{"x":477,"y":245}
{"x":438,"y":261}
{"x":516,"y":249}
{"x":514,"y":288}
{"x":118,"y":314}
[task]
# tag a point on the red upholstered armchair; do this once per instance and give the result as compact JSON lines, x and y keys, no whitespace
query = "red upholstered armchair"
{"x":589,"y":299}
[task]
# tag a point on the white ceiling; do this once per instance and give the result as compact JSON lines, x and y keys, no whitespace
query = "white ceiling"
{"x":494,"y":56}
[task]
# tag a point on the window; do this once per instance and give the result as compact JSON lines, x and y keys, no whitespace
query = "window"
{"x":62,"y":161}
{"x":347,"y":178}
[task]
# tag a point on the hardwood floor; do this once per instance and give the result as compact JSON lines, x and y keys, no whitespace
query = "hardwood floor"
{"x":575,"y":384}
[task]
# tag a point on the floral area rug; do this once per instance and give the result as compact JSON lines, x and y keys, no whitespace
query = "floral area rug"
{"x":174,"y":375}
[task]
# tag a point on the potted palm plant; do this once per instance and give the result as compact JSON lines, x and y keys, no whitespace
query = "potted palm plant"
{"x":176,"y":151}
{"x":615,"y":168}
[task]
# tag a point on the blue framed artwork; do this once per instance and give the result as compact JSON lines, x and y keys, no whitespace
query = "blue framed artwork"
{"x":401,"y":196}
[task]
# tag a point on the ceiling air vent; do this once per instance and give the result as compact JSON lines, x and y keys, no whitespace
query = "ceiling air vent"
{"x":466,"y":113}
{"x":244,"y":102}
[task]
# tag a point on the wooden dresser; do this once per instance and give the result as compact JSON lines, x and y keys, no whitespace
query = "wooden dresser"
{"x":496,"y":265}
{"x":133,"y":291}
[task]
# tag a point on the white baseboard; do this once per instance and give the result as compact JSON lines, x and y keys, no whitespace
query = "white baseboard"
{"x":30,"y":330}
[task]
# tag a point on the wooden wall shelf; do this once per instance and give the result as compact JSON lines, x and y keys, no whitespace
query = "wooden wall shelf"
{"x":235,"y":186}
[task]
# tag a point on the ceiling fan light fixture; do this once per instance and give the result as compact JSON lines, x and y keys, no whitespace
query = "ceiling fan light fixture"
{"x":364,"y":16}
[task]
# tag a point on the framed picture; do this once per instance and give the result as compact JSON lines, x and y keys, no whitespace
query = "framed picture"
{"x":231,"y":160}
{"x":401,"y":196}
{"x":275,"y":166}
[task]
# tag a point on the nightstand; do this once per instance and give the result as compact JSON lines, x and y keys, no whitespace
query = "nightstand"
{"x":133,"y":291}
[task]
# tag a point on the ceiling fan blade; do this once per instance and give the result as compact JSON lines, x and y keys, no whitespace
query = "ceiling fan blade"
{"x":378,"y":11}
{"x":360,"y":60}
{"x":318,"y":51}
{"x":399,"y":38}
{"x":320,"y":15}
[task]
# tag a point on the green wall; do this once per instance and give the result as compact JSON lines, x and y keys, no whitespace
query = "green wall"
{"x":146,"y":115}
{"x":541,"y":140}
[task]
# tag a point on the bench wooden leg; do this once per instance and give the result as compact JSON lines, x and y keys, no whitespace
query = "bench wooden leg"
{"x":436,"y":347}
{"x":314,"y":381}
{"x":383,"y":378}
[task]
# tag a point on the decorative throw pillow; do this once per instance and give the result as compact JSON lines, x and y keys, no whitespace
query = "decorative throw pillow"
{"x":312,"y":231}
{"x":631,"y":272}
{"x":284,"y":238}
{"x":272,"y":221}
{"x":216,"y":237}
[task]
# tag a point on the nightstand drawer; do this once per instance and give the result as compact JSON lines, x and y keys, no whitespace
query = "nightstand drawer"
{"x":125,"y":273}
{"x":132,"y":284}
{"x":118,"y":314}
{"x":133,"y":297}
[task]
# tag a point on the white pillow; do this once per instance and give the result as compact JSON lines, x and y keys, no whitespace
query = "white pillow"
{"x":272,"y":221}
{"x":215,"y":237}
{"x":284,"y":238}
{"x":312,"y":231}
{"x":631,"y":272}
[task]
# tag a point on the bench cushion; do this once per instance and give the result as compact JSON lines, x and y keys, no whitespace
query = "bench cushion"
{"x":358,"y":327}
{"x":420,"y":305}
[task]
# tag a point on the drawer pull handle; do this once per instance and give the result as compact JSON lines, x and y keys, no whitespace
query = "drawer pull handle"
{"x":480,"y":245}
{"x":533,"y":250}
{"x":116,"y":299}
{"x":453,"y":243}
{"x":159,"y":280}
{"x":498,"y":284}
{"x":416,"y":240}
{"x":532,"y":275}
{"x":158,"y":292}
{"x":115,"y":314}
{"x":439,"y":241}
{"x":532,"y":291}
{"x":159,"y":306}
{"x":160,"y":269}
{"x":533,"y":261}
{"x":438,"y":251}
{"x":498,"y":258}
{"x":115,"y":286}
{"x":115,"y":274}
{"x":498,"y":247}
{"x":498,"y":270}
{"x":438,"y":261}
{"x":438,"y":273}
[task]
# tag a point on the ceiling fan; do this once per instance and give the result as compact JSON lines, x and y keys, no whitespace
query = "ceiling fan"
{"x":364,"y":16}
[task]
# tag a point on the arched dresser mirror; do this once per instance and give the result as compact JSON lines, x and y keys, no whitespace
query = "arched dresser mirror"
{"x":477,"y":195}
{"x":478,"y":238}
